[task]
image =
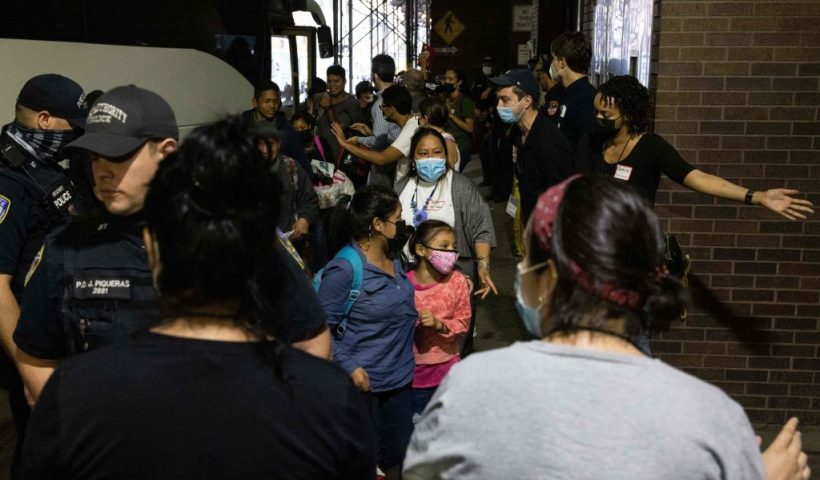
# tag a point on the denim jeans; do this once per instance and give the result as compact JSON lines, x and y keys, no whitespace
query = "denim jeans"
{"x":421,"y":397}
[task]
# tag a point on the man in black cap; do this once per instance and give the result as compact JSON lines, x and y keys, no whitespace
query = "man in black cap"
{"x":541,"y":153}
{"x":35,"y":196}
{"x":93,"y":285}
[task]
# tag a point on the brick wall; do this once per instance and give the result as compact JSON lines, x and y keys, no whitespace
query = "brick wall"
{"x":737,"y":90}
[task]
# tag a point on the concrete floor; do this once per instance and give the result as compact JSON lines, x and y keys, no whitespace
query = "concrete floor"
{"x":497,"y":325}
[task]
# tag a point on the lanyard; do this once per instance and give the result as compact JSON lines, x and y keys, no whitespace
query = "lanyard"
{"x":420,"y":216}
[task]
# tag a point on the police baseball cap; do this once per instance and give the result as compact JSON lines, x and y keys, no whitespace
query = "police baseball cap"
{"x":521,"y":78}
{"x":364,"y":86}
{"x":123,"y":119}
{"x":58,"y":95}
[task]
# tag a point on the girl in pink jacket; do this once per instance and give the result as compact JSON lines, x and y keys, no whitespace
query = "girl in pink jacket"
{"x":443,"y":303}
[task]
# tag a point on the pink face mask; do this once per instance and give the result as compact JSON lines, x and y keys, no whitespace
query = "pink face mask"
{"x":444,"y":261}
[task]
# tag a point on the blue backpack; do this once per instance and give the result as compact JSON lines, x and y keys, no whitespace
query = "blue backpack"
{"x":352,"y":256}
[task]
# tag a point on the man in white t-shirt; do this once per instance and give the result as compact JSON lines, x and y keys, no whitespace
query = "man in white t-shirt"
{"x":395,"y":106}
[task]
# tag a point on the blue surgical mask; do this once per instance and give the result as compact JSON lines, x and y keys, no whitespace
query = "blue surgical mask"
{"x":507,"y":116}
{"x":531,"y":317}
{"x":431,"y":169}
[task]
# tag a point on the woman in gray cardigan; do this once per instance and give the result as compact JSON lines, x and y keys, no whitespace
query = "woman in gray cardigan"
{"x":434,"y":191}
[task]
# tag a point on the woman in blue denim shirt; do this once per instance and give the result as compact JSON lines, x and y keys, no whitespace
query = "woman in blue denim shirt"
{"x":376,"y":348}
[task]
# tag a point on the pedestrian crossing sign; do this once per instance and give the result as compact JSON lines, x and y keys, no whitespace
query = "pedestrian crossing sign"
{"x":449,"y":27}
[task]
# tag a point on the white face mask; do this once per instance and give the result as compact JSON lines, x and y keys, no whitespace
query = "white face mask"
{"x":553,"y":72}
{"x":487,"y":71}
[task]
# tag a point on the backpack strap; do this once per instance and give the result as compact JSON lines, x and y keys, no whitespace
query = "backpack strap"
{"x":318,"y":142}
{"x":350,"y":255}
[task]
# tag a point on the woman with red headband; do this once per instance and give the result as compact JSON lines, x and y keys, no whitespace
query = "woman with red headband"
{"x":584,"y":402}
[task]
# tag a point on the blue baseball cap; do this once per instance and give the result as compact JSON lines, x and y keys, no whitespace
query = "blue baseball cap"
{"x":521,"y":78}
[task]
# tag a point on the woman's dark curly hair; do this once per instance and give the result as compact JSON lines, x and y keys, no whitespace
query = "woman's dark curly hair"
{"x":631,"y":98}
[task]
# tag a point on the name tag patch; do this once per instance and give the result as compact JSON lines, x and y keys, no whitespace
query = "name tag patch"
{"x":623,"y":172}
{"x":101,"y":288}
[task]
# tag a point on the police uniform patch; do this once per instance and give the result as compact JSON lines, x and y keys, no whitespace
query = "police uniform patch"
{"x":5,"y":205}
{"x":85,"y":287}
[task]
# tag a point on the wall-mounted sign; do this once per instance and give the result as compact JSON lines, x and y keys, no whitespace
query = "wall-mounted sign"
{"x":522,"y":18}
{"x":449,"y":27}
{"x":523,"y":53}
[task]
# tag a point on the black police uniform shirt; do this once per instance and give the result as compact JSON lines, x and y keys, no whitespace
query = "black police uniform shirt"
{"x":24,"y":220}
{"x":94,"y":287}
{"x":642,"y":168}
{"x":172,"y":408}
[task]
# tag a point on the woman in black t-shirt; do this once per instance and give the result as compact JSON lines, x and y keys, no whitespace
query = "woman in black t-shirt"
{"x":209,"y":393}
{"x":637,"y":157}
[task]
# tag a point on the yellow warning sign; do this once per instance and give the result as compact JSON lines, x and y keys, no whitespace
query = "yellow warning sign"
{"x":449,"y":27}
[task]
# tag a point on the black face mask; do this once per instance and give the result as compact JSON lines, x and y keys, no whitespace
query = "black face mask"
{"x":606,"y":127}
{"x":448,"y":88}
{"x":305,"y":138}
{"x":395,"y":244}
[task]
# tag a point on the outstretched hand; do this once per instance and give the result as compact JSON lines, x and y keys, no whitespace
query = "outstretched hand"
{"x":338,"y":133}
{"x":487,"y":284}
{"x":785,"y":459}
{"x":362,"y":128}
{"x":780,"y":200}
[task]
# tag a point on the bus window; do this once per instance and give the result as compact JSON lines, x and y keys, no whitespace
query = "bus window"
{"x":281,"y":71}
{"x":302,"y":53}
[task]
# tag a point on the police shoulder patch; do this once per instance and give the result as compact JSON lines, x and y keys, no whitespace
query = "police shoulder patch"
{"x":5,"y":205}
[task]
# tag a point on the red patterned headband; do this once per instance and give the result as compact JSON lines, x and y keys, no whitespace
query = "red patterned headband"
{"x":543,"y":221}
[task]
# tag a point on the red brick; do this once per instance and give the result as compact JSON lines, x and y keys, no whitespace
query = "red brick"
{"x":682,"y":9}
{"x":749,"y":84}
{"x":683,"y":360}
{"x":792,"y":241}
{"x":776,"y":281}
{"x":753,"y":295}
{"x":807,"y":337}
{"x":789,"y":142}
{"x":785,"y":227}
{"x":798,"y":25}
{"x":661,"y":346}
{"x":765,"y":156}
{"x":727,"y":39}
{"x":806,"y":128}
{"x":755,"y":268}
{"x":793,"y":84}
{"x":705,"y":25}
{"x":806,"y":364}
{"x":683,"y":334}
{"x":715,"y":348}
{"x":789,"y":402}
{"x":731,"y":388}
{"x":679,"y":98}
{"x":747,"y":376}
{"x":802,"y":54}
{"x":774,"y":363}
{"x":733,"y":254}
{"x":809,"y":69}
{"x":758,"y":54}
{"x":750,"y":401}
{"x":670,"y":25}
{"x":706,"y":374}
{"x":729,"y":9}
{"x":805,"y":157}
{"x":772,"y":98}
{"x":795,"y":323}
{"x":724,"y":361}
{"x":769,"y":128}
{"x":769,"y":417}
{"x":758,"y":240}
{"x":700,"y":83}
{"x":728,"y":98}
{"x":680,"y":68}
{"x":801,"y":98}
{"x":779,"y":255}
{"x":703,"y":53}
{"x":772,"y":309}
{"x":804,"y":390}
{"x":669,"y":53}
{"x":671,"y":39}
{"x":790,"y":377}
{"x":792,"y":113}
{"x":794,"y":350}
{"x":809,"y":310}
{"x":675,"y":126}
{"x":745,"y":113}
{"x":786,"y":171}
{"x":773,"y":39}
{"x":725,"y":68}
{"x":721,"y":128}
{"x":810,"y":283}
{"x":797,"y":296}
{"x":771,"y":69}
{"x":767,"y":389}
{"x":720,"y":156}
{"x":758,"y":24}
{"x":778,"y":9}
{"x":741,"y":142}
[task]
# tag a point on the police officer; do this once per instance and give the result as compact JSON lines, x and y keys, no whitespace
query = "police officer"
{"x":93,"y":285}
{"x":35,"y":197}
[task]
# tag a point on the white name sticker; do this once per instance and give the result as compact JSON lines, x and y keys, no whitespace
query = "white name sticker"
{"x":512,"y":206}
{"x":623,"y":172}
